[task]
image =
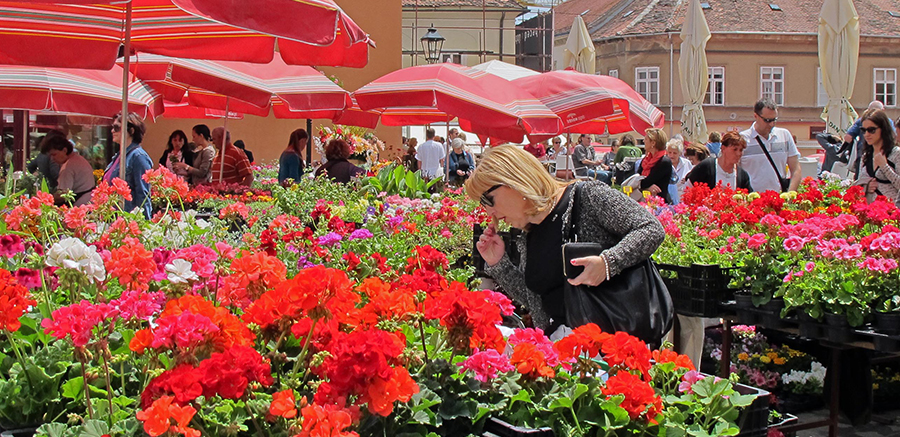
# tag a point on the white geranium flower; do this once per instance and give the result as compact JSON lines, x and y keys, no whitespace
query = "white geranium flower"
{"x":180,"y":272}
{"x":72,"y":253}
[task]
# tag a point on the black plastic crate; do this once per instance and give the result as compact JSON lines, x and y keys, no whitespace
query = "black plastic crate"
{"x":754,"y":419}
{"x":699,"y":289}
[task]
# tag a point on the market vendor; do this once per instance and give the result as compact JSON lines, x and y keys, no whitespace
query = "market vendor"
{"x":75,"y":172}
{"x":513,"y":186}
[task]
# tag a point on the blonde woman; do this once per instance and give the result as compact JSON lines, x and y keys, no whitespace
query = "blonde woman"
{"x":513,"y":186}
{"x":656,"y":168}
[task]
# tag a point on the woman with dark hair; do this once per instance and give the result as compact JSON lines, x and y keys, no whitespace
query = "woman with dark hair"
{"x":878,"y":171}
{"x":290,"y":164}
{"x":75,"y":172}
{"x":240,"y":145}
{"x":696,"y":153}
{"x":409,"y":159}
{"x":199,"y":171}
{"x":338,"y":168}
{"x":176,"y":152}
{"x":137,"y":162}
{"x":724,"y":168}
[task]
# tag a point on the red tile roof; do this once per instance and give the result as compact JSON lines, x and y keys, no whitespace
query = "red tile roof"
{"x":508,"y":4}
{"x":635,"y":17}
{"x":565,"y":13}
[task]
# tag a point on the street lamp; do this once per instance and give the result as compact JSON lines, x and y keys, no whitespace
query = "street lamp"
{"x":432,"y":43}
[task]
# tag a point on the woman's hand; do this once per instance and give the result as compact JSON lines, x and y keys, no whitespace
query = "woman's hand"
{"x":594,"y":270}
{"x":654,"y":190}
{"x":879,"y":160}
{"x":871,"y":186}
{"x":490,"y":245}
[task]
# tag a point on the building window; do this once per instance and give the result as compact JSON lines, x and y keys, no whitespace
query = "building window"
{"x":454,"y":58}
{"x":771,"y":84}
{"x":886,"y":86}
{"x":715,"y":93}
{"x":646,"y":83}
{"x":821,"y":94}
{"x":614,"y":73}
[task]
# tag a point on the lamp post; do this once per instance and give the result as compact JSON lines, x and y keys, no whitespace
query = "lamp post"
{"x":432,"y":43}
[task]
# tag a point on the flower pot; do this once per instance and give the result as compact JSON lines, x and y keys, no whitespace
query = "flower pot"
{"x":499,"y":428}
{"x":21,"y":432}
{"x":787,"y":419}
{"x":772,"y":314}
{"x":838,"y":330}
{"x":887,"y":323}
{"x":795,"y":404}
{"x":743,"y":299}
{"x":809,"y":327}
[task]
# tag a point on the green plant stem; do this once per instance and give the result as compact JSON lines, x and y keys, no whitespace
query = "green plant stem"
{"x":302,"y":355}
{"x":424,"y":343}
{"x":259,"y":430}
{"x":21,"y":359}
{"x":577,"y":425}
{"x":87,"y":390}
{"x":108,"y":388}
{"x":122,"y":375}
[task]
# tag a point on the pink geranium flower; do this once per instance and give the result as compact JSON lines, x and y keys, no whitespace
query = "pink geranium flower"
{"x":486,"y":365}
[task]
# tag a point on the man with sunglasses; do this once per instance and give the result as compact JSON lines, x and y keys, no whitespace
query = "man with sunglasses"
{"x":767,"y":167}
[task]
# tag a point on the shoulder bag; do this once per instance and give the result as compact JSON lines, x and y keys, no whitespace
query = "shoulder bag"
{"x":785,"y":182}
{"x":635,"y":301}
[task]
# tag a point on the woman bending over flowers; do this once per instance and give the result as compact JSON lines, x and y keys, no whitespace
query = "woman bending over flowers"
{"x":513,"y":186}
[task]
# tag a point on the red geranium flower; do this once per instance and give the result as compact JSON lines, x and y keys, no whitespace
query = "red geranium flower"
{"x":14,"y":301}
{"x":78,"y":321}
{"x":670,"y":356}
{"x":326,"y":421}
{"x":284,"y":404}
{"x":132,"y":264}
{"x":531,"y":362}
{"x":159,"y":416}
{"x":640,"y":398}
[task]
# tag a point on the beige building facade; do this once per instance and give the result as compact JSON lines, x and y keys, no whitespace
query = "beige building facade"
{"x":475,"y":31}
{"x":743,"y":64}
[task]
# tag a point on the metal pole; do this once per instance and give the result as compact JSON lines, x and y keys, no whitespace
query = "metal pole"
{"x":671,"y":85}
{"x":447,"y":153}
{"x":309,"y":142}
{"x":414,"y":35}
{"x":124,"y":121}
{"x":224,"y":135}
{"x":483,"y":29}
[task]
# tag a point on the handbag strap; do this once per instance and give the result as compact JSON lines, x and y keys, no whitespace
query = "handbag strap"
{"x":568,"y":225}
{"x":771,"y":161}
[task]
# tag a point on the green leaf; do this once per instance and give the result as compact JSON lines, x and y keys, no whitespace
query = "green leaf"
{"x":73,"y":388}
{"x":94,"y":428}
{"x":51,"y":430}
{"x":739,"y":400}
{"x":561,"y":402}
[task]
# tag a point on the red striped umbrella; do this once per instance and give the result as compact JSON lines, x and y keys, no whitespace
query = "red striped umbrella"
{"x":484,"y":104}
{"x":242,"y":87}
{"x":74,"y":91}
{"x":589,"y":103}
{"x":89,"y":35}
{"x":186,"y":110}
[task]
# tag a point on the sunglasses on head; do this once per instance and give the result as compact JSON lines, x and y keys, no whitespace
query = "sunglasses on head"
{"x":486,"y":199}
{"x":869,"y":130}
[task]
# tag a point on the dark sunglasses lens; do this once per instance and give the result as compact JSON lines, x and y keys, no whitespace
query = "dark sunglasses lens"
{"x":870,"y":130}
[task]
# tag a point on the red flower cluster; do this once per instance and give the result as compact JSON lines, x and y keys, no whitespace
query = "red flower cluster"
{"x":14,"y":301}
{"x":78,"y":321}
{"x":427,"y":258}
{"x":254,"y":274}
{"x":366,"y":364}
{"x":132,"y":264}
{"x":231,"y":331}
{"x":531,"y":361}
{"x":225,"y":374}
{"x":640,"y":398}
{"x":584,"y":340}
{"x":26,"y":216}
{"x":234,"y":211}
{"x":670,"y":356}
{"x":283,"y":404}
{"x":471,"y":318}
{"x":326,"y":421}
{"x":317,"y":292}
{"x":166,"y":186}
{"x":159,"y":416}
{"x":628,"y":352}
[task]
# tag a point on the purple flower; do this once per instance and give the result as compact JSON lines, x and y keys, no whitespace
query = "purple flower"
{"x":360,"y":234}
{"x":330,"y":239}
{"x":395,"y":221}
{"x":304,"y":263}
{"x":11,"y":244}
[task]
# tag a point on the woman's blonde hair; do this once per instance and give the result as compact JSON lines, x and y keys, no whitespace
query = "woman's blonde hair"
{"x":513,"y":167}
{"x":659,"y":138}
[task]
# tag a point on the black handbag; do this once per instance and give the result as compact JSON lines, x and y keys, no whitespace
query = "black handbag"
{"x":635,"y":301}
{"x":785,"y":182}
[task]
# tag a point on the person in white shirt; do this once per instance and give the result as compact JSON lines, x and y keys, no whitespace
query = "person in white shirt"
{"x":780,"y":145}
{"x":680,"y":168}
{"x":430,"y":155}
{"x":75,"y":172}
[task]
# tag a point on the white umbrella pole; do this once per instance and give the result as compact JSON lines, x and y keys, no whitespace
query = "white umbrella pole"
{"x":124,"y":121}
{"x":447,"y":154}
{"x":224,"y":135}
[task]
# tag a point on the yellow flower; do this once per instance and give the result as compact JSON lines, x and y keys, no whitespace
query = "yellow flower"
{"x":765,"y":359}
{"x":875,"y":386}
{"x":753,"y":196}
{"x":772,"y":355}
{"x":743,"y":356}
